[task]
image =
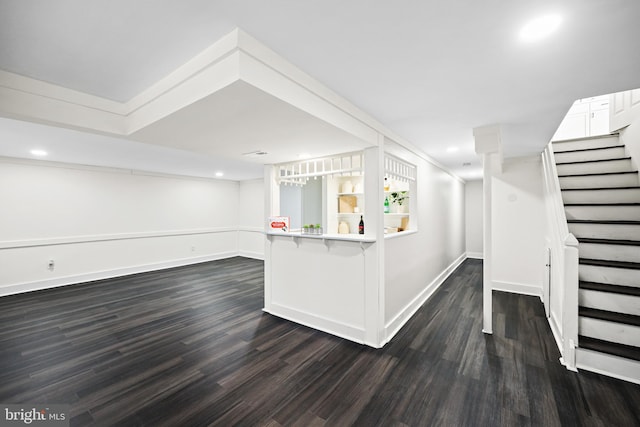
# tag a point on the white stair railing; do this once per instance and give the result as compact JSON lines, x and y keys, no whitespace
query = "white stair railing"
{"x":563,"y":278}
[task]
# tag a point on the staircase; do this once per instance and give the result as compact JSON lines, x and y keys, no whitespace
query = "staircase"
{"x":601,"y":195}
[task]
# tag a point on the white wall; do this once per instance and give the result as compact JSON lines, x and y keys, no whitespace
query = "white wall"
{"x":519,"y":221}
{"x":98,"y":222}
{"x":473,"y":218}
{"x":630,"y":137}
{"x":416,"y":264}
{"x":625,"y":118}
{"x":251,"y":219}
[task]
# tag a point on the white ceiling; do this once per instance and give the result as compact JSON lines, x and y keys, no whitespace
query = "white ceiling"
{"x":241,"y":119}
{"x":18,"y":138}
{"x":431,"y":71}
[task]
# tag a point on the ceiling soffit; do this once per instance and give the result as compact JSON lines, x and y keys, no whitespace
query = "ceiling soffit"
{"x":218,"y":66}
{"x":236,"y":57}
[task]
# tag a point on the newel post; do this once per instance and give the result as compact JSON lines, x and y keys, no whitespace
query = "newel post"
{"x":570,"y":303}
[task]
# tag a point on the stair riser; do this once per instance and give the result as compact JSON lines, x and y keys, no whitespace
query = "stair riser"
{"x":596,"y":167}
{"x":608,"y":301}
{"x":582,"y":156}
{"x":582,"y":144}
{"x":610,"y":275}
{"x":609,"y":331}
{"x":614,"y":366}
{"x":627,"y":195}
{"x":600,"y":181}
{"x":626,"y":213}
{"x":606,"y":231}
{"x":610,"y":252}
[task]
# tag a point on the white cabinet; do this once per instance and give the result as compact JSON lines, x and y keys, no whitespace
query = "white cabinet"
{"x":397,"y":213}
{"x":625,"y":108}
{"x":399,"y":190}
{"x":599,"y":118}
{"x":333,"y":195}
{"x":345,"y":203}
{"x":586,"y":117}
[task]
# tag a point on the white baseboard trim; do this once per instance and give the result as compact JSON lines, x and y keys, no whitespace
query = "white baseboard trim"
{"x":566,"y":360}
{"x":609,"y":365}
{"x":329,"y":326}
{"x":518,"y":288}
{"x":251,"y":254}
{"x":108,"y":274}
{"x":475,"y":255}
{"x":555,"y":330}
{"x":392,"y":327}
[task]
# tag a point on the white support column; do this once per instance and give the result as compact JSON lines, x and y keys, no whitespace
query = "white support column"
{"x":374,"y":253}
{"x":271,"y":208}
{"x":487,"y":285}
{"x":488,"y":143}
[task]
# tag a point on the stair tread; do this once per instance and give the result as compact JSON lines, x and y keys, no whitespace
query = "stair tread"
{"x":589,"y":149}
{"x":602,"y":188}
{"x":592,"y":161}
{"x":598,"y":174}
{"x":587,"y":138}
{"x":609,"y":241}
{"x":604,"y":204}
{"x":603,"y":221}
{"x":606,"y":287}
{"x":622,"y":350}
{"x":609,"y":316}
{"x":608,"y":263}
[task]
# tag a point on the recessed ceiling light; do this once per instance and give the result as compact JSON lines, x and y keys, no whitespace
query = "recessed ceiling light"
{"x":540,"y":27}
{"x":39,"y":153}
{"x":452,"y":149}
{"x":219,"y":174}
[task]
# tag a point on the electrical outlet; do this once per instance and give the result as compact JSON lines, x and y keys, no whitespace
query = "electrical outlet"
{"x":193,"y":248}
{"x":52,"y":264}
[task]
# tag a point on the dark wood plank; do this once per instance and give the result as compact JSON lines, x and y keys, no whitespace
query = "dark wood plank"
{"x":191,"y":346}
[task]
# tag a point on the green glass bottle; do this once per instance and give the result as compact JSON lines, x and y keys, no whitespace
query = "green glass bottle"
{"x":386,"y":205}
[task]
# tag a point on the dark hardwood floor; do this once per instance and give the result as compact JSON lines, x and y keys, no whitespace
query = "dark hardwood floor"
{"x":191,"y":347}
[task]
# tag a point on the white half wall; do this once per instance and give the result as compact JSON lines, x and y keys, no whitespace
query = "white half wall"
{"x":473,"y":218}
{"x":321,"y":284}
{"x":97,"y":222}
{"x":519,"y":226}
{"x":251,"y":219}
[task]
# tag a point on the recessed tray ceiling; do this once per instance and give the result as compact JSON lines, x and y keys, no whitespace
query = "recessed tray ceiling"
{"x":241,"y":118}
